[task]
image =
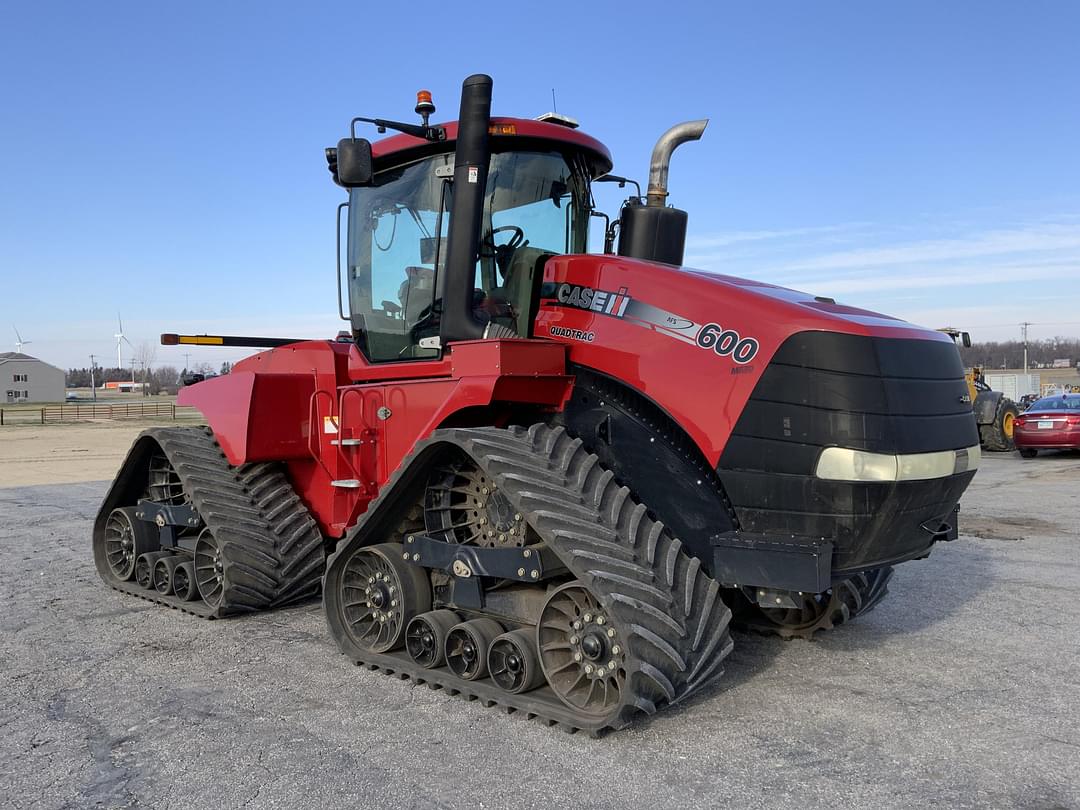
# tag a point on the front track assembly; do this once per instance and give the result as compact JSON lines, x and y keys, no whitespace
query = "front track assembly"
{"x":614,"y":618}
{"x":184,"y":528}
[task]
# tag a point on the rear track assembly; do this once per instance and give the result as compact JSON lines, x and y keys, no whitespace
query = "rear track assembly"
{"x":258,"y":547}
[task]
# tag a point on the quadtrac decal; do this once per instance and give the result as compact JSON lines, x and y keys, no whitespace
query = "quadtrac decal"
{"x":724,"y":342}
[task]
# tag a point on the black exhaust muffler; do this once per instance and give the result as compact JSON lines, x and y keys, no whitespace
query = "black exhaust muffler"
{"x":653,"y":231}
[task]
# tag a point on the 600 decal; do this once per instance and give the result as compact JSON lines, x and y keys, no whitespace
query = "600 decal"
{"x":727,"y":343}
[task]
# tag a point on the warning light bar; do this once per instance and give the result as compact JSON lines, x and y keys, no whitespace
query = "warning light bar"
{"x":170,"y":339}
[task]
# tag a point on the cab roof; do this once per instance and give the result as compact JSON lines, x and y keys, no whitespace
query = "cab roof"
{"x":506,"y":133}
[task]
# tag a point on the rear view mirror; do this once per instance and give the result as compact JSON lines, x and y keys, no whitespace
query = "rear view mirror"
{"x":354,"y":162}
{"x":965,"y":338}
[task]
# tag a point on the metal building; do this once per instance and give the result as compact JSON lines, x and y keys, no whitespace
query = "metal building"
{"x":26,"y":379}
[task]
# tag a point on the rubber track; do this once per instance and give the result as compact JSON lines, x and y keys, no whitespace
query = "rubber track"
{"x":669,"y":610}
{"x":850,"y":598}
{"x":272,"y":549}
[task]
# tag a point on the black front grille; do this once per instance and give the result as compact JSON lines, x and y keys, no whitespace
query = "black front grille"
{"x":882,"y":395}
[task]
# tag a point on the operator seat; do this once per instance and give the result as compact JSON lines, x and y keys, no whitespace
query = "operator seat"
{"x":520,"y":285}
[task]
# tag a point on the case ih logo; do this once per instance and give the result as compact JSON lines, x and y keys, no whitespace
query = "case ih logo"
{"x":602,"y":301}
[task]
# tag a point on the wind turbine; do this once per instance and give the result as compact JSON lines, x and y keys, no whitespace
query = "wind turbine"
{"x":19,"y":342}
{"x":120,"y":341}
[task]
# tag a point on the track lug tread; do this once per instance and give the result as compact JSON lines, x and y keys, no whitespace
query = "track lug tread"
{"x":273,"y":548}
{"x":674,"y":623}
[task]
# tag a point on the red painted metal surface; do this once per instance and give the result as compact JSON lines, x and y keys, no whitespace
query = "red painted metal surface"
{"x":694,"y":343}
{"x":648,"y":333}
{"x":390,"y":151}
{"x":319,"y":407}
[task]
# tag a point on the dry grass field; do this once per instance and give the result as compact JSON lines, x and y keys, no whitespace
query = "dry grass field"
{"x":32,"y":454}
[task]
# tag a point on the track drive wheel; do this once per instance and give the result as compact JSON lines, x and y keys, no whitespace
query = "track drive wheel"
{"x":818,"y":611}
{"x":377,"y":595}
{"x":126,"y":539}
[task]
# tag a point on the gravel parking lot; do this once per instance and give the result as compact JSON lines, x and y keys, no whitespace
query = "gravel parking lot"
{"x":962,"y":689}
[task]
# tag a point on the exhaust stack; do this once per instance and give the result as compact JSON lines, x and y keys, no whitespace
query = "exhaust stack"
{"x":661,"y":157}
{"x":471,"y":158}
{"x":653,"y":231}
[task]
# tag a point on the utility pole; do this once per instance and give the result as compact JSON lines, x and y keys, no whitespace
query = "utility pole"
{"x":187,"y":361}
{"x":93,"y":386}
{"x":1023,"y":332}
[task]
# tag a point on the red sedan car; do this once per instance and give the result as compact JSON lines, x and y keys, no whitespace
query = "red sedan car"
{"x":1051,"y":423}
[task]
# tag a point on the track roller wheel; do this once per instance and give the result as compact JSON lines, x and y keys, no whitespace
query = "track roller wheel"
{"x":513,"y":662}
{"x":183,"y":580}
{"x":163,"y":573}
{"x":126,"y":539}
{"x":581,"y":651}
{"x":467,"y":647}
{"x":425,"y":637}
{"x":379,"y":594}
{"x":144,"y":568}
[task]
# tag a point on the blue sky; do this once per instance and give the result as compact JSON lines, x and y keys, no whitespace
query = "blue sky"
{"x":918,"y":158}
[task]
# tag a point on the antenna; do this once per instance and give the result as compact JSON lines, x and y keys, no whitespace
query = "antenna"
{"x":554,"y":108}
{"x":19,"y":342}
{"x":120,"y":341}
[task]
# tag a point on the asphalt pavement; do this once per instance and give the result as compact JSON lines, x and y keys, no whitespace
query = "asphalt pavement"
{"x":962,"y":689}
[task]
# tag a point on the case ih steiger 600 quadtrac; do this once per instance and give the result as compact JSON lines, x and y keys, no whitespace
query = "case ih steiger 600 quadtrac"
{"x":537,"y":477}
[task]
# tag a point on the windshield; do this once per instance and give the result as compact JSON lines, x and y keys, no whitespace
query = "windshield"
{"x":535,"y":206}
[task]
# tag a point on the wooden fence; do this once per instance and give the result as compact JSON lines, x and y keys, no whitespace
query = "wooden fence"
{"x":79,"y":412}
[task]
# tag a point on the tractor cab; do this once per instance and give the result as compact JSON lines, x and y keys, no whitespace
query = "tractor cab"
{"x":521,"y":199}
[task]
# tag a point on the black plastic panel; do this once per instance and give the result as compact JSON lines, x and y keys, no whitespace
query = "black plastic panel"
{"x":825,"y":389}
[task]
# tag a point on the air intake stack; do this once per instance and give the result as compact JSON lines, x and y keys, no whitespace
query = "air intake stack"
{"x":653,"y":231}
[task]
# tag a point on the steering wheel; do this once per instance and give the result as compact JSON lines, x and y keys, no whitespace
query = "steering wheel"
{"x":488,"y":248}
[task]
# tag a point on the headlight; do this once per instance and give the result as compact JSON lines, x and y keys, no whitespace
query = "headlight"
{"x":847,"y":464}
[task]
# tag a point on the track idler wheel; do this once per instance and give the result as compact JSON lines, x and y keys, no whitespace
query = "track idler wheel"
{"x":821,"y":611}
{"x":581,"y":651}
{"x":425,"y":637}
{"x":163,"y":573}
{"x":467,"y":647}
{"x":513,"y":662}
{"x":209,"y":569}
{"x":126,"y":539}
{"x":144,"y":568}
{"x":379,"y":594}
{"x":183,"y":581}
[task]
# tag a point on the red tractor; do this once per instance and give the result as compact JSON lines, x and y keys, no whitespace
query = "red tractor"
{"x":537,"y":477}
